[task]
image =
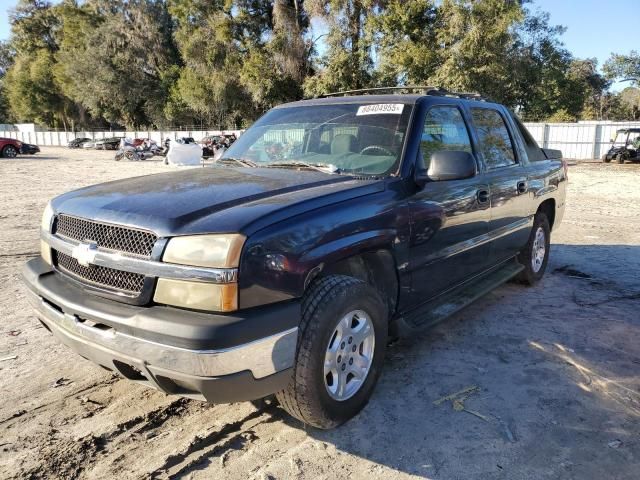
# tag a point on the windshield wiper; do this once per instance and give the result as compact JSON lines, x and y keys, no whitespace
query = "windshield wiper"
{"x":319,"y":167}
{"x":239,"y":161}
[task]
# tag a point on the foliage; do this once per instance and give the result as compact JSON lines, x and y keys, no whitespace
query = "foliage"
{"x":222,"y":63}
{"x":620,"y":67}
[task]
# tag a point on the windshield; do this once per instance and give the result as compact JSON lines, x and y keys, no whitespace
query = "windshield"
{"x":625,"y":137}
{"x":341,"y":138}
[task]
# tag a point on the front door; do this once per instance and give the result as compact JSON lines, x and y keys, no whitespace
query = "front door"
{"x":449,"y":219}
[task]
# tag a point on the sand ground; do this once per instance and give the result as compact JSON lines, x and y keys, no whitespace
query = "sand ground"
{"x":555,"y":370}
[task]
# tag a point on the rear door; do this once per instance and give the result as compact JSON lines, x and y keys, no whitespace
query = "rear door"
{"x":506,"y":174}
{"x":449,"y":219}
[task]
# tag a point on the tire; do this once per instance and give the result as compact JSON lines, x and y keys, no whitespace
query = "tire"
{"x":534,"y":269}
{"x":605,"y":159}
{"x":620,"y":158}
{"x":10,"y":151}
{"x":332,"y":303}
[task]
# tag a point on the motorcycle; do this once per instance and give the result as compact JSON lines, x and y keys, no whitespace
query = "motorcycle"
{"x":136,"y":153}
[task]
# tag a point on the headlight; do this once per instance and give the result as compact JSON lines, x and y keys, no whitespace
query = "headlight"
{"x":47,"y":218}
{"x":212,"y":251}
{"x":215,"y":251}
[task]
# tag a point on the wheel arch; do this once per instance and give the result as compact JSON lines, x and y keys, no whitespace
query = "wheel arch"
{"x":548,"y":207}
{"x":376,"y":267}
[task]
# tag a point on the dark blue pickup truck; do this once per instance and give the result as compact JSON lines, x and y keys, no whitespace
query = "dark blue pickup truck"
{"x":330,"y":226}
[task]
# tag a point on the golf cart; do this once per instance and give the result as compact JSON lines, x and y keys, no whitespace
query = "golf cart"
{"x":626,"y":146}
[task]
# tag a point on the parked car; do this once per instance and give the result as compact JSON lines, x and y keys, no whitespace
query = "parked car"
{"x":88,"y":144}
{"x":78,"y":142}
{"x":111,"y":143}
{"x":9,"y":147}
{"x":624,"y":147}
{"x":286,"y":270}
{"x":29,"y":149}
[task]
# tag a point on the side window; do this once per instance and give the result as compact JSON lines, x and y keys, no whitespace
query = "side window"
{"x":534,"y":152}
{"x":444,"y":129}
{"x":495,"y":143}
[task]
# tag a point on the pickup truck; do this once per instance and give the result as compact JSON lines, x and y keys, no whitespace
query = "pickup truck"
{"x":329,"y":227}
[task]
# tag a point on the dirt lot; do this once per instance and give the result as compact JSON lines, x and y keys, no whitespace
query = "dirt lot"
{"x":551,"y":373}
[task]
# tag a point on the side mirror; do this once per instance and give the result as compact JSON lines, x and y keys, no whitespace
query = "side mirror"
{"x":447,"y":165}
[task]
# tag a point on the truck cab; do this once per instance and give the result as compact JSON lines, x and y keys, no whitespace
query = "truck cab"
{"x":331,"y":225}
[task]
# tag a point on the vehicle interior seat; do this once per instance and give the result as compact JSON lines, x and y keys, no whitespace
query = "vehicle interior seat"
{"x":343,"y":143}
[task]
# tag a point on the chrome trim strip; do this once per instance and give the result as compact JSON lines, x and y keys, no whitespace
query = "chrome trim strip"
{"x":150,"y":268}
{"x":460,"y":247}
{"x":262,"y":357}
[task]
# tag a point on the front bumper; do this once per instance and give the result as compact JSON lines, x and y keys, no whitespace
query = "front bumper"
{"x":217,"y":358}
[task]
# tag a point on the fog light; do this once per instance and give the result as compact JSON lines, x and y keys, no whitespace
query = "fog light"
{"x":197,"y":295}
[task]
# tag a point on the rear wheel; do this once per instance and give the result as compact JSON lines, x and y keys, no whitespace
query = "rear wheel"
{"x":10,"y":151}
{"x":535,"y":255}
{"x":340,"y":353}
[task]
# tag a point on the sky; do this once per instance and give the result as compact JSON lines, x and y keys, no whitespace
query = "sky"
{"x":590,"y":25}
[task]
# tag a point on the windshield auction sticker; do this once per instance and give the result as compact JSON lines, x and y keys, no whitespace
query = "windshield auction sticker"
{"x":380,"y":109}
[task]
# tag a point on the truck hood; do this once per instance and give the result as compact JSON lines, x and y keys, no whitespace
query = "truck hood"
{"x":210,"y":200}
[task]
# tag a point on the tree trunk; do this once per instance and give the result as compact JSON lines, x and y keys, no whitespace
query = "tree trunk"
{"x":355,"y":12}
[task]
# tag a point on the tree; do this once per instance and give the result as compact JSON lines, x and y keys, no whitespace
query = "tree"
{"x":347,"y":63}
{"x":208,"y":86}
{"x":240,"y":58}
{"x":6,"y":60}
{"x":31,"y":90}
{"x":620,"y":67}
{"x":630,"y":103}
{"x":273,"y":71}
{"x":476,"y":40}
{"x":586,"y":88}
{"x":114,"y":59}
{"x":405,"y":42}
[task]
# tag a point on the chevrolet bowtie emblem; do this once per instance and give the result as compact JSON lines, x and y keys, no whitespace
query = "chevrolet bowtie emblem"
{"x":85,"y":253}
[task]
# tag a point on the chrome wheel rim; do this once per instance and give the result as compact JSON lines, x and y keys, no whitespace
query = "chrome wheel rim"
{"x":539,"y":250}
{"x":349,"y":355}
{"x":11,"y":152}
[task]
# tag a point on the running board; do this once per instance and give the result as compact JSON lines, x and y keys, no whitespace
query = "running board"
{"x":445,"y":305}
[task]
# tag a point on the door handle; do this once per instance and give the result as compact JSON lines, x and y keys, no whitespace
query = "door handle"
{"x":522,"y":186}
{"x":483,"y":196}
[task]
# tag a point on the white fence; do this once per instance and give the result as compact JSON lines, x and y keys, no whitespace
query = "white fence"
{"x":57,"y":139}
{"x":582,"y":140}
{"x":577,"y":140}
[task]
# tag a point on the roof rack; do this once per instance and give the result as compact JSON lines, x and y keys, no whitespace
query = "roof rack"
{"x":422,"y":89}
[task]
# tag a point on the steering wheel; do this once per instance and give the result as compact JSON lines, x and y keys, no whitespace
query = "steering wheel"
{"x":382,"y":149}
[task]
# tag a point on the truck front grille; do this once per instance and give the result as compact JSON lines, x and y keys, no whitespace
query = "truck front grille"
{"x":112,"y":237}
{"x":129,"y":241}
{"x":126,"y":282}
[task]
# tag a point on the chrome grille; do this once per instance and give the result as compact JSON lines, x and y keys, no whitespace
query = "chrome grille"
{"x":112,"y":237}
{"x":110,"y":278}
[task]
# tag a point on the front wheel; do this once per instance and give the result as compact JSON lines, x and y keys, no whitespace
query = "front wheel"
{"x":340,"y":353}
{"x":10,"y":151}
{"x":535,"y":255}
